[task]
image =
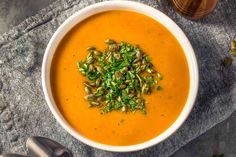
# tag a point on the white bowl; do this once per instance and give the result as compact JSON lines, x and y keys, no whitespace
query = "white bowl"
{"x":135,"y":7}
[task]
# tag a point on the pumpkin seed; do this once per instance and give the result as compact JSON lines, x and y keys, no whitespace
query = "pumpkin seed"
{"x":136,"y":60}
{"x":123,"y":109}
{"x":127,"y":81}
{"x":117,"y":56}
{"x":97,"y":53}
{"x":124,"y":70}
{"x":90,"y":97}
{"x":98,"y":82}
{"x":95,"y":103}
{"x":122,"y":86}
{"x":90,"y":85}
{"x":91,"y":68}
{"x":91,"y":48}
{"x":109,"y":41}
{"x":119,"y":77}
{"x":88,"y":90}
{"x":119,"y":99}
{"x":108,"y":55}
{"x":150,"y":71}
{"x":145,"y":89}
{"x":113,"y":47}
{"x":139,"y":55}
{"x":99,"y":69}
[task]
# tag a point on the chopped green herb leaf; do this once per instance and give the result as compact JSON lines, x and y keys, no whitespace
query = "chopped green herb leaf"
{"x":118,"y":77}
{"x":159,"y":88}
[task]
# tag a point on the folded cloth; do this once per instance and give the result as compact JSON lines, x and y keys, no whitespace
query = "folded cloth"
{"x":24,"y":112}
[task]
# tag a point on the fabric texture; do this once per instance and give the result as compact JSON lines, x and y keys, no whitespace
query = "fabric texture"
{"x":24,"y":112}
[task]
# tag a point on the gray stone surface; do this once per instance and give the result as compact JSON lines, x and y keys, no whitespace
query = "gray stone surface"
{"x":15,"y":11}
{"x":23,"y":111}
{"x":220,"y":139}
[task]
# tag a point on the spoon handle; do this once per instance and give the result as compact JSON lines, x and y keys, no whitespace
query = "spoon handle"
{"x":44,"y":147}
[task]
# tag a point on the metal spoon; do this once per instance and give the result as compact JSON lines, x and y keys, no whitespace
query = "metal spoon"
{"x":44,"y":147}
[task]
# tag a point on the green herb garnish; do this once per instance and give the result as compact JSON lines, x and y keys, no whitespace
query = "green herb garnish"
{"x":159,"y":88}
{"x":118,"y":77}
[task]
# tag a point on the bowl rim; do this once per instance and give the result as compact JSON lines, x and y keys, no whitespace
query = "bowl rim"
{"x":134,"y":7}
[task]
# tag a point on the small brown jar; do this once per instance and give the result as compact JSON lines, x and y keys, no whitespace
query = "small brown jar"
{"x":194,"y":9}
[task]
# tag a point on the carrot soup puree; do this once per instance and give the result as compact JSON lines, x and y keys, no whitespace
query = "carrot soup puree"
{"x":126,"y":90}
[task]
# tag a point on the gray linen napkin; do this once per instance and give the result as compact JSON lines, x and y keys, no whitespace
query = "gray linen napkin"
{"x":24,"y":112}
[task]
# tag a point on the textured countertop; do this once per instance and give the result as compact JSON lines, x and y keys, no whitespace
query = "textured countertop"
{"x":23,"y":111}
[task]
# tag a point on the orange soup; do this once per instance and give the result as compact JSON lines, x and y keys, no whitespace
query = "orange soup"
{"x":118,"y":128}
